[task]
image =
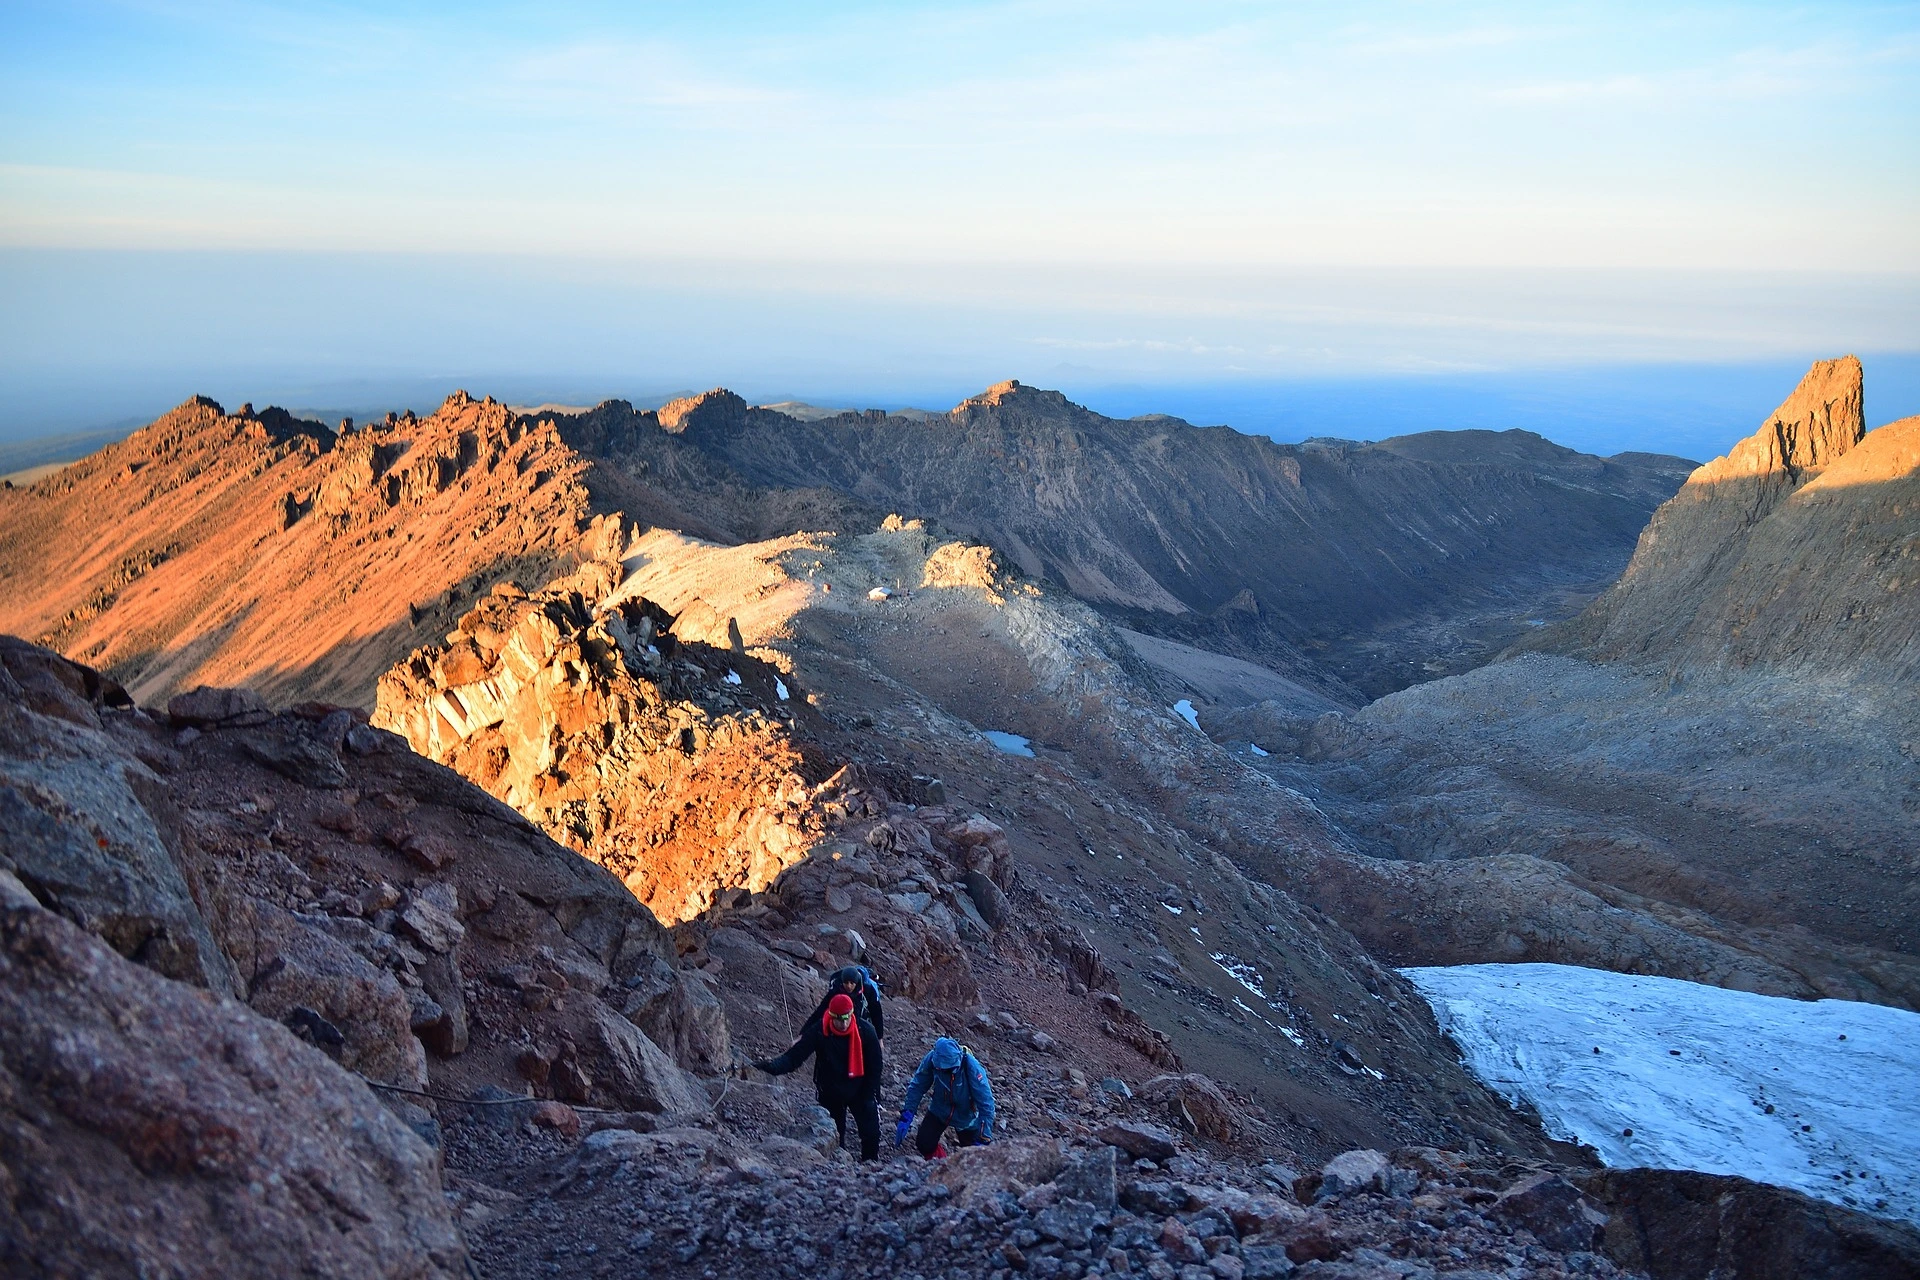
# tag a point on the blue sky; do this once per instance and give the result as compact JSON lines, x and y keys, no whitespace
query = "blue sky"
{"x":897,"y":197}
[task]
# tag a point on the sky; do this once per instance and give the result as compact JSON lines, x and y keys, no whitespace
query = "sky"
{"x":874,"y":203}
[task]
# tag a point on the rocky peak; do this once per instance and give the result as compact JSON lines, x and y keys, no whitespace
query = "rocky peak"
{"x":1812,"y":428}
{"x":1012,"y":394}
{"x":1721,"y":575}
{"x":710,"y":410}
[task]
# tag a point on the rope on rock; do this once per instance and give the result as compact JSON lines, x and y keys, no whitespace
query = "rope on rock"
{"x":725,"y":1085}
{"x":487,"y":1102}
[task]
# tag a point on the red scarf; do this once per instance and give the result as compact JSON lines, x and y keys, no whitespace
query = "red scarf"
{"x":856,"y":1058}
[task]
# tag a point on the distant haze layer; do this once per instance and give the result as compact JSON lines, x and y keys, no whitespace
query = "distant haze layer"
{"x":1658,"y":361}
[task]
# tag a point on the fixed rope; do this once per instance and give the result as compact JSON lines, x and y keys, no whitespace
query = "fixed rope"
{"x":725,"y":1086}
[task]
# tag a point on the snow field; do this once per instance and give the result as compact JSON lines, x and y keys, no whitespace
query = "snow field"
{"x":1821,"y":1096}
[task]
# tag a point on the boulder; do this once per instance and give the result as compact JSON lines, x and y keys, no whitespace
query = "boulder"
{"x":46,"y":683}
{"x":1141,"y":1141}
{"x":632,"y":1072}
{"x":296,"y":756}
{"x":993,"y":906}
{"x":1351,"y":1171}
{"x":922,"y":961}
{"x":813,"y":1127}
{"x":1251,"y":1212}
{"x":1071,"y":1222}
{"x":793,"y":947}
{"x":1675,"y":1225}
{"x":1553,"y":1210}
{"x":430,"y":924}
{"x":147,"y":1129}
{"x":975,"y":1174}
{"x":1156,"y":1198}
{"x":207,"y":707}
{"x":680,"y":1013}
{"x":1265,"y":1262}
{"x":289,"y":966}
{"x":1090,"y":1177}
{"x":1195,"y":1102}
{"x":440,"y":983}
{"x":93,"y":833}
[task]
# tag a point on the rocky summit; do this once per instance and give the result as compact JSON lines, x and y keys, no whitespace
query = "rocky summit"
{"x":411,"y":834}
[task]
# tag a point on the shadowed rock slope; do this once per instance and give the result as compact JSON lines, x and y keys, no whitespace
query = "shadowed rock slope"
{"x":1722,"y":745}
{"x":1352,"y":565}
{"x":1795,"y":551}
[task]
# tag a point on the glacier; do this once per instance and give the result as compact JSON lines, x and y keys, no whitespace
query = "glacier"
{"x":1822,"y":1096}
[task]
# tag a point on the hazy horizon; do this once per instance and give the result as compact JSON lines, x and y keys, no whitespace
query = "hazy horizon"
{"x":1616,"y":225}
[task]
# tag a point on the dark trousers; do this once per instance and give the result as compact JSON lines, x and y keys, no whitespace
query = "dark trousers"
{"x":928,"y":1136}
{"x":866,"y":1118}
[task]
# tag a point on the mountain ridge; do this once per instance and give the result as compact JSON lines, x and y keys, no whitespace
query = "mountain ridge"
{"x":1109,"y":508}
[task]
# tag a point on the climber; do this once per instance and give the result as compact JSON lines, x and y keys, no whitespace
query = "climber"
{"x":847,"y":1069}
{"x":857,"y":982}
{"x":958,"y":1095}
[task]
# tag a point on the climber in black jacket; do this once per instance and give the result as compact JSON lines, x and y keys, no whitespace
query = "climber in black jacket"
{"x":847,"y":1069}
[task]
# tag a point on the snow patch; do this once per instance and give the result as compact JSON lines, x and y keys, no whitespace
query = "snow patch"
{"x":1249,"y":977}
{"x":1184,"y":709}
{"x":1011,"y":743}
{"x":1241,"y":972}
{"x":1822,"y":1096}
{"x":1255,"y":748}
{"x":732,"y":677}
{"x":1170,"y":907}
{"x":780,"y":688}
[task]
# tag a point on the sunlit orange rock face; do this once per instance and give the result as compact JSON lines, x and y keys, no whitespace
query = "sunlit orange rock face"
{"x":672,"y":764}
{"x":264,"y":550}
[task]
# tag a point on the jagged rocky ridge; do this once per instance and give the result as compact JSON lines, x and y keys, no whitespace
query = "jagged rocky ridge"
{"x":1420,"y":550}
{"x":266,"y":550}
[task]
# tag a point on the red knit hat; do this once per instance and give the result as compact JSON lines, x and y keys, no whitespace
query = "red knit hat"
{"x":840,"y":1007}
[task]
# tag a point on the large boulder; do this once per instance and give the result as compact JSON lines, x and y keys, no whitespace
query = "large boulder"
{"x":1195,"y":1103}
{"x":1676,"y":1225}
{"x":631,"y":1072}
{"x":208,"y":707}
{"x":1141,"y":1141}
{"x":300,"y":975}
{"x":680,"y":1013}
{"x":1354,"y":1171}
{"x":922,"y":961}
{"x":88,"y":827}
{"x":975,"y":1175}
{"x":1553,"y":1210}
{"x":146,"y":1129}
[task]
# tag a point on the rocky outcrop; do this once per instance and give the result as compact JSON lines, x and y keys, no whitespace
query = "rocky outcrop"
{"x":1792,"y":550}
{"x":264,"y":550}
{"x":87,"y":825}
{"x":671,"y":764}
{"x":1675,"y":1225}
{"x":147,"y":1129}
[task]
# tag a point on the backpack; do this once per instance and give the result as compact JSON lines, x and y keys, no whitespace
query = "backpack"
{"x":869,"y":985}
{"x":955,"y":1077}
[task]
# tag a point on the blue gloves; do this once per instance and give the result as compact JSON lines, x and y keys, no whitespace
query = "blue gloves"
{"x":900,"y":1130}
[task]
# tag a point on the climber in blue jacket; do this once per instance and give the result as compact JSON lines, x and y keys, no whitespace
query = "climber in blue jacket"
{"x":959,"y":1096}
